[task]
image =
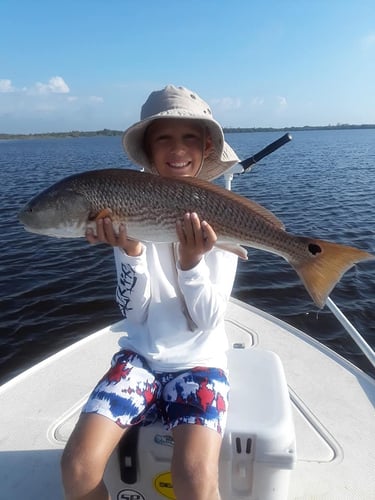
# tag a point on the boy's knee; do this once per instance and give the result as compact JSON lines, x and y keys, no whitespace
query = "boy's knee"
{"x":72,"y":470}
{"x":196,"y":476}
{"x":80,"y":474}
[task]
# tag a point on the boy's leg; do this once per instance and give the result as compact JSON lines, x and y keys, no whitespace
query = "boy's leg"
{"x":195,"y":462}
{"x":120,"y":399}
{"x":86,"y":455}
{"x":196,"y":403}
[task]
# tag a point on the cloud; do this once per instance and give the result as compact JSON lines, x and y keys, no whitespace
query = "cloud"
{"x":257,"y":101}
{"x":6,"y":86}
{"x":48,"y":104}
{"x":55,"y":85}
{"x":283,"y":103}
{"x":227,"y":103}
{"x":95,"y":98}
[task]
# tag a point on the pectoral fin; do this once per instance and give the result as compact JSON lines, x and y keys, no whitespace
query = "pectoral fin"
{"x":238,"y":250}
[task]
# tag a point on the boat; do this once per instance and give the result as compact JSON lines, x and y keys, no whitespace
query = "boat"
{"x":300,"y":423}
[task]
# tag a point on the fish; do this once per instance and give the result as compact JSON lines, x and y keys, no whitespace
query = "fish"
{"x":149,"y":207}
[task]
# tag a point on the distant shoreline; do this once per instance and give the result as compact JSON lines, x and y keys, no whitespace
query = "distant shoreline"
{"x":227,"y":130}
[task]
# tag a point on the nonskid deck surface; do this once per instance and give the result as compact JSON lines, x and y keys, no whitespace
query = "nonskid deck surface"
{"x":333,"y":411}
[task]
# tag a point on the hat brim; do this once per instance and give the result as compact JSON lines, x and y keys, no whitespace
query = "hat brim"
{"x":221,"y":158}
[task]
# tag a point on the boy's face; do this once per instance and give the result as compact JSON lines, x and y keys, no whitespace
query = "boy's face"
{"x":177,"y":147}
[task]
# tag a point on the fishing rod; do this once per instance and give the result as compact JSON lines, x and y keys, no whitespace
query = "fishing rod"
{"x":249,"y":162}
{"x":353,"y":332}
{"x":245,"y":166}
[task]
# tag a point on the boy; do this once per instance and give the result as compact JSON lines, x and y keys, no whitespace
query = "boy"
{"x":173,"y":299}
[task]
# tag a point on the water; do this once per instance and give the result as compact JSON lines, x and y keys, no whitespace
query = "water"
{"x":54,"y":292}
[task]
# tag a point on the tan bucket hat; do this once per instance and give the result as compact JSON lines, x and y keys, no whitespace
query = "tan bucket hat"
{"x":182,"y":103}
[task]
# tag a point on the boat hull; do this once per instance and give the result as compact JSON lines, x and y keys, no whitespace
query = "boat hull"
{"x":332,"y":405}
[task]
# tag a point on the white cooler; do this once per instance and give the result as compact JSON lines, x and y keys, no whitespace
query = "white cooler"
{"x":258,"y":450}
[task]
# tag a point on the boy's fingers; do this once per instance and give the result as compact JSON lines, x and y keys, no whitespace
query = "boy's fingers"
{"x":180,"y":231}
{"x":122,"y":236}
{"x":90,"y":236}
{"x":208,"y":233}
{"x":100,"y":230}
{"x":109,"y":234}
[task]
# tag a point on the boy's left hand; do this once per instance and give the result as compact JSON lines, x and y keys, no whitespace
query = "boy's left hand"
{"x":196,"y":238}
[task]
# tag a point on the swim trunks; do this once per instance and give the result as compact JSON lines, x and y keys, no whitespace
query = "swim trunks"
{"x":130,"y":393}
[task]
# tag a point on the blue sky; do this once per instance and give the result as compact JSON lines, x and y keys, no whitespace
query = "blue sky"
{"x":88,"y":65}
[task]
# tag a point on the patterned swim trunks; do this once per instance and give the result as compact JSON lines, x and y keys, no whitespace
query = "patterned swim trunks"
{"x":131,"y":393}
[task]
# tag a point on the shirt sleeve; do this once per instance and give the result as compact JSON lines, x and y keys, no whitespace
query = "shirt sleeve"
{"x":207,"y":287}
{"x":133,"y":285}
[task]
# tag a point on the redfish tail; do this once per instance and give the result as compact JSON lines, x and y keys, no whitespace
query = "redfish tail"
{"x":325,"y":267}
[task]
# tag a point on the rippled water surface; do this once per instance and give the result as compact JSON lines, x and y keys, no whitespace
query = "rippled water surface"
{"x":54,"y":292}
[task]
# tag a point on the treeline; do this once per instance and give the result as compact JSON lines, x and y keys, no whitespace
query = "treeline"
{"x":343,"y":126}
{"x":228,"y":130}
{"x":60,"y":135}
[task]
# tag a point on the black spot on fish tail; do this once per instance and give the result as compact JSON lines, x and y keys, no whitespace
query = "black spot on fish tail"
{"x":314,"y":249}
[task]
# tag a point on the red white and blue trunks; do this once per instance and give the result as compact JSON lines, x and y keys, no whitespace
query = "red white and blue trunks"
{"x":131,"y":393}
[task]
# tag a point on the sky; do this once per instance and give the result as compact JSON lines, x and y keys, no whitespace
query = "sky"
{"x":90,"y":64}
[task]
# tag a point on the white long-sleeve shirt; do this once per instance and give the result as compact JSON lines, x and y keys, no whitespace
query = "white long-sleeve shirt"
{"x":175,"y":318}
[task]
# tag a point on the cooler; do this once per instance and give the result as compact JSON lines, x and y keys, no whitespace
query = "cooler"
{"x":258,"y":450}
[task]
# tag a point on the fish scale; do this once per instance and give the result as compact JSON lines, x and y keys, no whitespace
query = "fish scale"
{"x":163,"y":198}
{"x":150,"y":205}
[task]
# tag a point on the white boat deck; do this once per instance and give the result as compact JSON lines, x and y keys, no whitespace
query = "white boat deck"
{"x":333,"y":409}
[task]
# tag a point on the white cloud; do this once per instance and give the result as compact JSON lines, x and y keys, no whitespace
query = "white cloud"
{"x":283,"y":103}
{"x":6,"y":86}
{"x":257,"y":101}
{"x":94,"y":98}
{"x":227,"y":103}
{"x":49,"y":104}
{"x":55,"y":85}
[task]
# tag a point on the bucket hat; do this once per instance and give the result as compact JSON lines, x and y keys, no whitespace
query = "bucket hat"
{"x":181,"y":103}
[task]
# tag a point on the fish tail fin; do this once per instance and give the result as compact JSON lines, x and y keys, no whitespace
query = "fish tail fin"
{"x":325,"y":266}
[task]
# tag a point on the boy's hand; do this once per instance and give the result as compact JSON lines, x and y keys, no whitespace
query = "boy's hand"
{"x":106,"y":234}
{"x":196,"y":238}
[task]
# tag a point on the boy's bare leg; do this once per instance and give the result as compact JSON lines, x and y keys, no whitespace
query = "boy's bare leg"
{"x":195,"y":463}
{"x":86,"y":455}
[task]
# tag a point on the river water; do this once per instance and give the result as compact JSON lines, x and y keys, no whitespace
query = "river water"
{"x":53,"y":292}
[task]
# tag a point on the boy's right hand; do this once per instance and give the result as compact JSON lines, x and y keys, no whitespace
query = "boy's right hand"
{"x":106,"y":234}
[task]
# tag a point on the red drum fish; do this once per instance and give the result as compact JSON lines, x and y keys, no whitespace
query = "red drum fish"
{"x":149,"y":206}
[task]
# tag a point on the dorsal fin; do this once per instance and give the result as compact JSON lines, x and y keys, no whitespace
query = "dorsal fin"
{"x":252,"y":205}
{"x":264,"y":212}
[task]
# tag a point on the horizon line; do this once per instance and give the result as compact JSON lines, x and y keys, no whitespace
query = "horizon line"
{"x":114,"y":132}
